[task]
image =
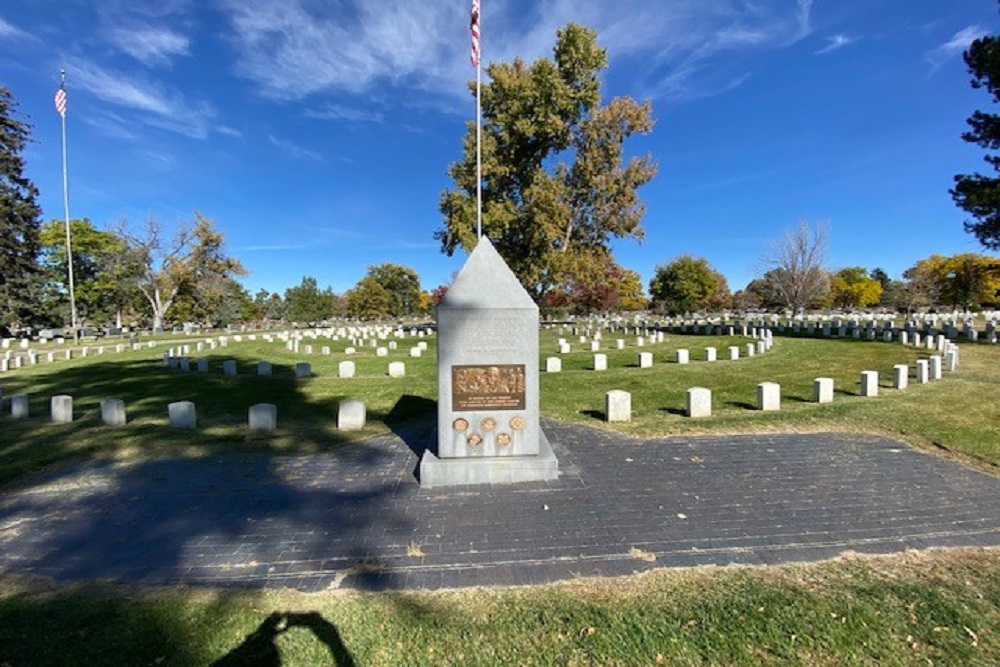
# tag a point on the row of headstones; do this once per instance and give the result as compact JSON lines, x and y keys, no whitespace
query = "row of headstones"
{"x":698,"y":400}
{"x":682,"y":356}
{"x":346,"y":369}
{"x":380,"y":351}
{"x":351,"y":413}
{"x":10,"y":360}
{"x":827,"y":326}
{"x":229,"y":368}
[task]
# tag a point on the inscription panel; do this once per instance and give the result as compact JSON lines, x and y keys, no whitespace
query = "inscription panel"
{"x":487,"y":387}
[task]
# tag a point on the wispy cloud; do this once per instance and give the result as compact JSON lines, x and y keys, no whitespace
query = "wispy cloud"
{"x":150,"y":103}
{"x":958,"y":43}
{"x":341,"y":112}
{"x":229,"y":131}
{"x":9,"y":30}
{"x":293,"y":49}
{"x":836,"y":42}
{"x":294,"y":149}
{"x":149,"y":45}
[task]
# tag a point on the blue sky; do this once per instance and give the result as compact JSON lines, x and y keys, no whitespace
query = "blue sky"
{"x":317,"y":133}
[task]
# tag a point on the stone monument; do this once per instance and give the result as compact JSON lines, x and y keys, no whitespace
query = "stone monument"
{"x":488,"y":430}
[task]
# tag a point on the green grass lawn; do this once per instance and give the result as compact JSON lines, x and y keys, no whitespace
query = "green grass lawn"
{"x":932,"y":608}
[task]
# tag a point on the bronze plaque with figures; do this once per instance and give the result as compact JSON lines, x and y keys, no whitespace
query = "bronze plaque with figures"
{"x":498,"y":387}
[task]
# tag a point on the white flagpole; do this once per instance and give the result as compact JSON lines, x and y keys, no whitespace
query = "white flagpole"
{"x":479,"y":135}
{"x":69,"y":247}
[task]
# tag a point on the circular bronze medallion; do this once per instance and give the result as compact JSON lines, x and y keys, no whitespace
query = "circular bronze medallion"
{"x":489,"y":423}
{"x":460,"y":424}
{"x":503,"y":439}
{"x":475,"y":440}
{"x":517,"y":423}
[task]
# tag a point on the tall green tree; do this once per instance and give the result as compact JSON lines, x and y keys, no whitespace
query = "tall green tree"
{"x":306,"y":302}
{"x":102,"y":290}
{"x":270,"y":306}
{"x":556,"y":183}
{"x":20,"y":220}
{"x":402,"y":284}
{"x":191,"y":262}
{"x":688,"y":284}
{"x":977,"y":194}
{"x":368,"y":300}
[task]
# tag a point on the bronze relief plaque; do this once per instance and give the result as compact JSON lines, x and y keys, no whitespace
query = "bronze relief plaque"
{"x":496,"y":387}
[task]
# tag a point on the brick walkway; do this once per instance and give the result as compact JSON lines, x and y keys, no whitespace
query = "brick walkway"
{"x":357,"y":518}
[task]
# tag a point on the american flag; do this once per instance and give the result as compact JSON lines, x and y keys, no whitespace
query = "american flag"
{"x":60,"y":100}
{"x":474,"y":28}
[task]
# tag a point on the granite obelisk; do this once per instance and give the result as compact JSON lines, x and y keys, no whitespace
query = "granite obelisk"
{"x":488,"y":430}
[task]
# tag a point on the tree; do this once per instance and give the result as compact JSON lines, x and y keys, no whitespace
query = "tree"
{"x":796,"y":279}
{"x":688,"y":284}
{"x":192,"y":260}
{"x":307,"y":303}
{"x":270,"y":306}
{"x":968,"y":280}
{"x":556,"y":185}
{"x":402,"y":285}
{"x":977,"y":194}
{"x":102,"y":290}
{"x":20,"y":220}
{"x":852,"y":288}
{"x":368,"y":300}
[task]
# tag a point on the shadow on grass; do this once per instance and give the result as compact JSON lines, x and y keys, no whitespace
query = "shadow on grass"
{"x":742,"y":405}
{"x":260,"y":649}
{"x":594,"y":414}
{"x":680,"y":412}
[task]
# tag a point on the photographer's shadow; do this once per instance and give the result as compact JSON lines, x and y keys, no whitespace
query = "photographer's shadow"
{"x":260,"y":650}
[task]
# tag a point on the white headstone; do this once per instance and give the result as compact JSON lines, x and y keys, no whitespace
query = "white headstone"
{"x":351,"y":415}
{"x":303,"y":370}
{"x":900,"y":376}
{"x":19,"y":408}
{"x":553,"y":365}
{"x":699,"y":402}
{"x":823,"y":390}
{"x":397,"y":369}
{"x":923,"y":371}
{"x":182,"y":414}
{"x":262,"y":417}
{"x":264,"y":368}
{"x":734,"y":353}
{"x":229,"y":367}
{"x":62,"y":408}
{"x":113,"y":411}
{"x":618,"y":406}
{"x":935,"y":366}
{"x":600,"y":362}
{"x":645,"y":360}
{"x":768,"y":396}
{"x":711,"y":354}
{"x":683,"y":356}
{"x":346,"y":369}
{"x":869,"y":383}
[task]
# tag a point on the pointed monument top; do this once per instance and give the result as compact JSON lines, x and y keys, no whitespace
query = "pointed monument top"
{"x":487,"y":282}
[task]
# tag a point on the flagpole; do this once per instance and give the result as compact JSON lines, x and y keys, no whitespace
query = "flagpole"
{"x":475,"y":28}
{"x":479,"y":149}
{"x":69,"y":246}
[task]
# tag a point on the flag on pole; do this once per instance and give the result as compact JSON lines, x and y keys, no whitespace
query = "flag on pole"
{"x":60,"y":100}
{"x":474,"y":29}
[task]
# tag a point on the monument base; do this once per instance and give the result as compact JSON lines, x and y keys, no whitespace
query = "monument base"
{"x":436,"y":472}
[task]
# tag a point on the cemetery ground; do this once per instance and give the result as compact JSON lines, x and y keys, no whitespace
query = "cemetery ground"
{"x":940,"y":605}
